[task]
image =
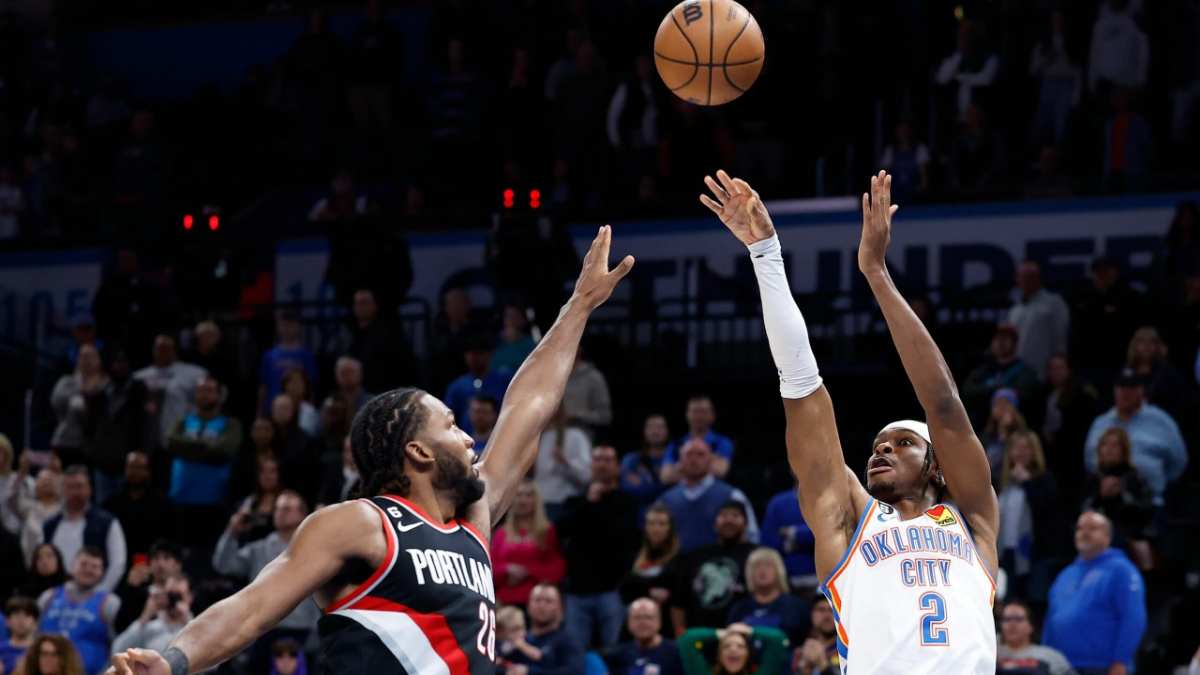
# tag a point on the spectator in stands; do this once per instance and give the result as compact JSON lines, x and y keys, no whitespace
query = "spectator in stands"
{"x":1159,"y":452}
{"x":171,"y":384}
{"x":648,"y":647}
{"x":483,"y":413}
{"x":1118,"y":492}
{"x":12,"y":204}
{"x":212,"y":353}
{"x":512,"y":648}
{"x":515,"y":341}
{"x":83,"y":610}
{"x":768,"y":600}
{"x":480,"y":378}
{"x":335,"y":425}
{"x":1055,"y":64}
{"x":380,"y":344}
{"x":21,"y":620}
{"x":971,"y":67}
{"x":259,"y":506}
{"x":640,"y":470}
{"x":1030,"y":527}
{"x":348,"y":371}
{"x":701,"y":415}
{"x":558,"y":652}
{"x":907,"y":160}
{"x":341,"y":482}
{"x":1071,"y":405}
{"x":12,"y":485}
{"x":1016,"y":652}
{"x":455,"y":113}
{"x":289,"y":353}
{"x":248,"y":561}
{"x":660,"y":545}
{"x":1001,"y":369}
{"x":297,"y":452}
{"x":81,"y":524}
{"x":52,"y":655}
{"x":710,"y":579}
{"x":818,"y":654}
{"x":734,"y":651}
{"x":287,"y":658}
{"x":37,"y":508}
{"x":586,"y":400}
{"x":563,"y":466}
{"x":784,"y":529}
{"x":600,"y":531}
{"x":1165,"y":386}
{"x":204,"y":445}
{"x":979,"y":156}
{"x":1104,"y":313}
{"x":1128,"y":143}
{"x":343,"y":203}
{"x":70,"y":404}
{"x":376,"y":57}
{"x":297,"y":387}
{"x":525,"y":550}
{"x":117,"y":414}
{"x":1005,"y":420}
{"x":143,"y":511}
{"x":46,"y":570}
{"x":164,"y":562}
{"x":1097,"y":610}
{"x":1120,"y":52}
{"x":451,"y":328}
{"x":167,"y":610}
{"x":130,"y":309}
{"x":696,"y":500}
{"x":1180,"y":257}
{"x":1041,"y":318}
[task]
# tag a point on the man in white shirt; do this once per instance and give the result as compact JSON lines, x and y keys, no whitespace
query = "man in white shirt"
{"x":171,"y":383}
{"x":81,"y":524}
{"x":1041,"y":317}
{"x":1120,"y":52}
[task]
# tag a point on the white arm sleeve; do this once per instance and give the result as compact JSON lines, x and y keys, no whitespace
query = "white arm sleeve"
{"x":786,"y":331}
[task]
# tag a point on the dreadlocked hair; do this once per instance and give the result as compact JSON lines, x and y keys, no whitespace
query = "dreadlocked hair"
{"x":939,"y":489}
{"x":378,"y":435}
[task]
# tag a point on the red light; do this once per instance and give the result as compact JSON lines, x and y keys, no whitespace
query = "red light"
{"x":509,"y":195}
{"x":535,"y":199}
{"x":214,"y":222}
{"x":188,"y":221}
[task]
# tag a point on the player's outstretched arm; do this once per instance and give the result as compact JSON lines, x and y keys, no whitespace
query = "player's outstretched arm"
{"x":829,"y":498}
{"x":322,"y":544}
{"x":959,"y":453}
{"x":537,"y":389}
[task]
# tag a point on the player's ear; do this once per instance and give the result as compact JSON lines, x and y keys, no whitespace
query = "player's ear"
{"x":418,"y":455}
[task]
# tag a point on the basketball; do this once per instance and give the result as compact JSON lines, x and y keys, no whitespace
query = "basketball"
{"x":709,"y":52}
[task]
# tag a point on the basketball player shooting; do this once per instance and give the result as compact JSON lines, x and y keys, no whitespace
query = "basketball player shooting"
{"x":404,"y":576}
{"x":908,"y":562}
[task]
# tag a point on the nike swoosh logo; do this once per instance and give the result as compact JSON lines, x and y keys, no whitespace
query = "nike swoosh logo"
{"x":406,"y":528}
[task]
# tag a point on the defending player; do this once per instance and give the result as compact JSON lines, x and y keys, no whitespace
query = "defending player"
{"x":909,"y":575}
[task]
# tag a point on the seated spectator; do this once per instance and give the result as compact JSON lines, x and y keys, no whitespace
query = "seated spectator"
{"x":515,"y":341}
{"x":36,"y":509}
{"x":21,"y":620}
{"x":600,"y":531}
{"x":117,"y":418}
{"x":52,"y":655}
{"x":640,"y":470}
{"x":12,"y":485}
{"x":480,"y":378}
{"x":289,"y":353}
{"x":660,"y":545}
{"x":1071,"y":405}
{"x":907,"y":160}
{"x":701,"y":415}
{"x":483,"y":413}
{"x":557,"y":651}
{"x":1030,"y":529}
{"x":739,"y":649}
{"x":784,"y":529}
{"x":512,"y":648}
{"x":1040,"y":317}
{"x":648,"y":647}
{"x":818,"y":655}
{"x":164,"y":562}
{"x":1118,"y":492}
{"x":695,"y":501}
{"x":525,"y":550}
{"x":340,"y":483}
{"x":709,"y":580}
{"x":379,"y":342}
{"x":167,"y":610}
{"x":297,"y":452}
{"x":82,"y":610}
{"x":170,"y":384}
{"x":204,"y":445}
{"x":1001,"y":369}
{"x":334,"y":426}
{"x":342,"y":203}
{"x":1006,"y":419}
{"x":259,"y":506}
{"x":46,"y":570}
{"x":1097,"y":610}
{"x":81,"y":524}
{"x":586,"y":399}
{"x":70,"y":405}
{"x":768,"y":601}
{"x":1165,"y":386}
{"x":564,"y":464}
{"x":297,"y":387}
{"x":287,"y":658}
{"x":246,"y":562}
{"x":1017,"y":654}
{"x":141,"y":509}
{"x":348,"y":372}
{"x":1158,"y":449}
{"x":213,"y":354}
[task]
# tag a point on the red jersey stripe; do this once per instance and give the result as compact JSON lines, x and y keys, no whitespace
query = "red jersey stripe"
{"x":434,"y":626}
{"x":390,"y":559}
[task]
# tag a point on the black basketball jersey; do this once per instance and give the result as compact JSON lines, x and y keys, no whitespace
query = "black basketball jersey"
{"x":428,"y":609}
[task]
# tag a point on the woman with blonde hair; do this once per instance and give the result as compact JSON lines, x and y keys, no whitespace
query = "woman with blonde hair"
{"x":1118,"y":491}
{"x":50,"y":655}
{"x":525,"y":549}
{"x":1030,"y":524}
{"x":768,"y":602}
{"x":1005,"y":419}
{"x":1165,"y":386}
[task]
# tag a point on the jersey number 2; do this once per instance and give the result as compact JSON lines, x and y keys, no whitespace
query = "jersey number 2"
{"x":486,"y":642}
{"x":933,"y":632}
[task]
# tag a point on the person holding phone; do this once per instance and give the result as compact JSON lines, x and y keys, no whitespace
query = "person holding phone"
{"x":168,"y":609}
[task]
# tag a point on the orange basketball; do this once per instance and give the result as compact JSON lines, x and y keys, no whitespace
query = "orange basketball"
{"x":709,"y":52}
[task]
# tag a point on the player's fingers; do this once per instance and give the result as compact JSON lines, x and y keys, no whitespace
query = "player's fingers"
{"x":893,"y":211}
{"x":866,"y":206}
{"x":886,"y":192}
{"x":622,"y":268}
{"x":730,"y":187}
{"x":604,"y":244}
{"x":712,"y":205}
{"x":716,"y":188}
{"x":743,"y":187}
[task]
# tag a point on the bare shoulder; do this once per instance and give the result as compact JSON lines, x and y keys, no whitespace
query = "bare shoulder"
{"x":352,"y":529}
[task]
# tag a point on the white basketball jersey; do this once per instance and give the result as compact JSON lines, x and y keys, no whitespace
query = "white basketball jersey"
{"x":913,"y":597}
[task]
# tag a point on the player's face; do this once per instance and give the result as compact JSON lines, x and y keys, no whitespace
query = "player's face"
{"x":734,"y":653}
{"x":452,"y":449}
{"x":897,"y":464}
{"x":1014,"y":625}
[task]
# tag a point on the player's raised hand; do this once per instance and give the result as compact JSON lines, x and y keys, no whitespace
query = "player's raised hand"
{"x":596,"y":282}
{"x":738,"y":206}
{"x":138,"y":662}
{"x":877,"y":224}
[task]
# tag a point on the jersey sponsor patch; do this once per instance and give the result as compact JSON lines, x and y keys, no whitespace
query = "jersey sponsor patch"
{"x":941,"y":515}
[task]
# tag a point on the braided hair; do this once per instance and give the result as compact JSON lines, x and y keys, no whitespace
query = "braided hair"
{"x":378,"y":435}
{"x":939,"y":488}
